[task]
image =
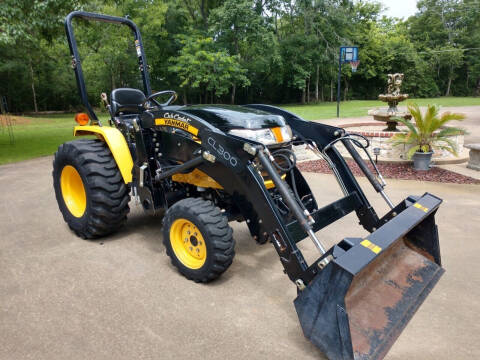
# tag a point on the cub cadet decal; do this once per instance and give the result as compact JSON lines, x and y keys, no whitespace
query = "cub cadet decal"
{"x":175,"y":116}
{"x":181,"y":124}
{"x":221,"y":151}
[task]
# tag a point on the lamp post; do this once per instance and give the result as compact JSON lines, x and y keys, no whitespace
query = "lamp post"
{"x":376,"y":152}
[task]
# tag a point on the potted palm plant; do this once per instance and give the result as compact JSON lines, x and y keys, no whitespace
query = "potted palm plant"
{"x":427,"y":132}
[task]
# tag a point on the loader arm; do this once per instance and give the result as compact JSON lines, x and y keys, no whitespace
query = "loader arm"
{"x":392,"y":270}
{"x":323,"y":135}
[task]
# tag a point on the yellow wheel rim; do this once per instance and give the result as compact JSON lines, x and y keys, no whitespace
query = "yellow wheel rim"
{"x":188,"y":243}
{"x":73,"y":191}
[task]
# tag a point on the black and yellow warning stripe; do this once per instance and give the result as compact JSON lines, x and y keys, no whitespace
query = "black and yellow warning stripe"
{"x":369,"y":245}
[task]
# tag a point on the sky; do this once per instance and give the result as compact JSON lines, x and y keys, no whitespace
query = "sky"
{"x":399,"y":8}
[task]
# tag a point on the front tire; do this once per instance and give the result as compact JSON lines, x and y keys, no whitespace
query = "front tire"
{"x":198,"y":239}
{"x":89,"y":188}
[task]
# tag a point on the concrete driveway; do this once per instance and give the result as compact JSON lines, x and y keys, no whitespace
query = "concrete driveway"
{"x":65,"y":298}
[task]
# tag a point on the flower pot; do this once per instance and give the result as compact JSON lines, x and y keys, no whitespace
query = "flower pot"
{"x":421,"y":160}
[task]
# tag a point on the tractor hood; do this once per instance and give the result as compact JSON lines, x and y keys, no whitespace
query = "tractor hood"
{"x":228,"y":117}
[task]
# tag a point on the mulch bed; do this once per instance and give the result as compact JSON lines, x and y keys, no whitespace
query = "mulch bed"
{"x":395,"y":171}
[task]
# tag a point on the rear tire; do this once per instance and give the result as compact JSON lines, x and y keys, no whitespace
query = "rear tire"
{"x":198,"y":239}
{"x":102,"y":207}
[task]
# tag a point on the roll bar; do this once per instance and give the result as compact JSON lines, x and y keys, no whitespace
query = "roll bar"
{"x":76,"y":62}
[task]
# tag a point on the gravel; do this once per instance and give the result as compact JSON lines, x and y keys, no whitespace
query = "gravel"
{"x":395,"y":171}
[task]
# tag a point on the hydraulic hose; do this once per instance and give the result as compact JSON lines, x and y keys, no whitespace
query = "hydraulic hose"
{"x":361,"y":164}
{"x":282,"y":187}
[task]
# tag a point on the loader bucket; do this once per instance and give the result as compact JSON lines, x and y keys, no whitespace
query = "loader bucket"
{"x":357,"y":306}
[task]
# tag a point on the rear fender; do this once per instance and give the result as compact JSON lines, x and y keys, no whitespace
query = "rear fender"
{"x":116,"y":143}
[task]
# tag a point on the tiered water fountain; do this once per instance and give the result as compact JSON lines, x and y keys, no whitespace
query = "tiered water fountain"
{"x":392,"y":98}
{"x":379,"y":138}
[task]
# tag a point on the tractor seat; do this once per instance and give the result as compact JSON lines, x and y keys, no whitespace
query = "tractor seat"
{"x":126,"y":101}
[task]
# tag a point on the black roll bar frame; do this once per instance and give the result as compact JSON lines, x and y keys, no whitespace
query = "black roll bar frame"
{"x":76,"y":61}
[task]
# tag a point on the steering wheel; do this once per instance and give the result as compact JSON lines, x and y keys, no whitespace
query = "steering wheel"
{"x":154,"y":95}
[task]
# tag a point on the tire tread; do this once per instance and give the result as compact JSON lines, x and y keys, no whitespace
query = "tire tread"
{"x":217,"y":229}
{"x":109,"y":195}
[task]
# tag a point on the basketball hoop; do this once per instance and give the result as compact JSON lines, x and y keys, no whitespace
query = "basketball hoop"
{"x":347,"y":54}
{"x":354,"y":65}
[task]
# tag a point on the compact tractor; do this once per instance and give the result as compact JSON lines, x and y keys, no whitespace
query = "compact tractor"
{"x":204,"y":166}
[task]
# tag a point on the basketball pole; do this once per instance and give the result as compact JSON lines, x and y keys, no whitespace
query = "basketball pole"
{"x":339,"y":80}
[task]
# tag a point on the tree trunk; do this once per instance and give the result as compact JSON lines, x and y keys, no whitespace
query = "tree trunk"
{"x":477,"y":89}
{"x":303,"y":96}
{"x":185,"y":101}
{"x":308,"y":90}
{"x":276,"y":24}
{"x":345,"y":91}
{"x":316,"y":83}
{"x":204,"y":14}
{"x":321,"y":94}
{"x":331,"y":90}
{"x":112,"y":81}
{"x":33,"y":89}
{"x":232,"y":99}
{"x":447,"y":93}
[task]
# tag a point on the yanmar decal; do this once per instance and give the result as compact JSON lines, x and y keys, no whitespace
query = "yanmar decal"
{"x":178,"y":121}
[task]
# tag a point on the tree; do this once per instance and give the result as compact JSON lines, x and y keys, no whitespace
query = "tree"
{"x":239,"y":27}
{"x":199,"y":65}
{"x":439,"y":29}
{"x":23,"y":24}
{"x":263,"y":50}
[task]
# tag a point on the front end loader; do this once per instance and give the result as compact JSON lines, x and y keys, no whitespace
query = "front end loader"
{"x":204,"y":166}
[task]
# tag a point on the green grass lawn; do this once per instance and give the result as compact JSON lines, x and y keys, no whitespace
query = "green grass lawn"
{"x":42,"y":135}
{"x":356,"y":108}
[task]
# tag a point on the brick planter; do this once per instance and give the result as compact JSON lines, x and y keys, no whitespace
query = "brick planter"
{"x":397,"y":154}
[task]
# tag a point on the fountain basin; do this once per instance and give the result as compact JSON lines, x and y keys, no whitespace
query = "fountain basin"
{"x":388,"y":98}
{"x":385,"y":115}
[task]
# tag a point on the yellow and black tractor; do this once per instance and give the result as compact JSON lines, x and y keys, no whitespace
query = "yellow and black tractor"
{"x":206,"y":165}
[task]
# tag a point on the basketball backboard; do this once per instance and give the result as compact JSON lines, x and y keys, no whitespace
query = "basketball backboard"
{"x":348,"y":54}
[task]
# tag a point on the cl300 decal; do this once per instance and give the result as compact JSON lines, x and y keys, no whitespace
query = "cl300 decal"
{"x":221,"y":151}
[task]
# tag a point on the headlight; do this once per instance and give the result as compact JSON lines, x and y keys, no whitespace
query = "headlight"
{"x":265,"y":136}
